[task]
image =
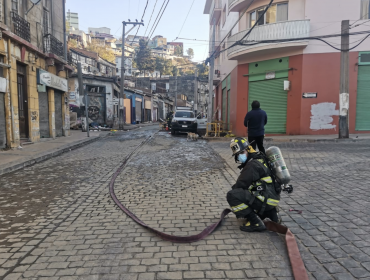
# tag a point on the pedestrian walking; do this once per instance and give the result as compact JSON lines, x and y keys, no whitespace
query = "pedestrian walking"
{"x":255,"y":121}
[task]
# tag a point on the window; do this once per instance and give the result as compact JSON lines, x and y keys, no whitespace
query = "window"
{"x":365,"y":9}
{"x":46,"y":22}
{"x":276,"y":13}
{"x":180,"y":114}
{"x":1,"y":68}
{"x":15,"y":6}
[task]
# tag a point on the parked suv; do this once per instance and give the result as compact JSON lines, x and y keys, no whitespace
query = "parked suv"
{"x":184,"y":120}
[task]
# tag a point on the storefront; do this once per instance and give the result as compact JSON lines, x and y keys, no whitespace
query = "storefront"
{"x":53,"y":105}
{"x":137,"y":103}
{"x":147,"y":109}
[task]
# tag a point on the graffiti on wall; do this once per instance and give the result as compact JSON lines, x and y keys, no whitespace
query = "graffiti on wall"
{"x":34,"y":115}
{"x":322,"y":116}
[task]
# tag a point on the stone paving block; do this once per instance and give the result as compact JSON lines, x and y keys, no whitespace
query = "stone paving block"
{"x":193,"y":275}
{"x":169,"y":275}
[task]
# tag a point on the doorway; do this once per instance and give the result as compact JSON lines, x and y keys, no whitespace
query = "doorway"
{"x":22,"y":101}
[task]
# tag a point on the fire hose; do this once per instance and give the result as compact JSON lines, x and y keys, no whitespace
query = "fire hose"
{"x":299,"y":270}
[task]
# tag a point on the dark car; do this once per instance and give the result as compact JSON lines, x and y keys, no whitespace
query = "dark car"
{"x":184,"y":121}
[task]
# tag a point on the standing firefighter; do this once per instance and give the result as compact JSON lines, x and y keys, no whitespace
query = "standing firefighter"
{"x":255,"y":195}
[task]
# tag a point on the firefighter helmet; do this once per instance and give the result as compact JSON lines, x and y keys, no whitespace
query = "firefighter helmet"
{"x":238,"y":145}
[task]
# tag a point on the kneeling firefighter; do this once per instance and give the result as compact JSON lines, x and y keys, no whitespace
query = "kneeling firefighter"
{"x":256,"y":194}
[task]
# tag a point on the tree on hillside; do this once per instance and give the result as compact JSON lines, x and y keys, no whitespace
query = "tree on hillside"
{"x":179,"y":51}
{"x":190,"y":52}
{"x":175,"y":71}
{"x":104,"y":52}
{"x":143,"y":59}
{"x":203,"y":69}
{"x":163,"y":66}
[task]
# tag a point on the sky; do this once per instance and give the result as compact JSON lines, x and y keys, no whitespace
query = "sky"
{"x":111,"y":13}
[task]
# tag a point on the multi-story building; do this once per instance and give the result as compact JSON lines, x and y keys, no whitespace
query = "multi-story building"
{"x":72,"y":20}
{"x":96,"y":31}
{"x":33,"y":72}
{"x":134,"y":40}
{"x":99,"y":79}
{"x":297,"y":82}
{"x":157,"y":41}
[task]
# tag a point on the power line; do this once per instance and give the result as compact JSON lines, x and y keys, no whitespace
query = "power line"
{"x":186,"y":18}
{"x":320,"y":38}
{"x":231,"y":29}
{"x":159,"y":19}
{"x":147,"y":1}
{"x":160,"y":10}
{"x":150,"y":17}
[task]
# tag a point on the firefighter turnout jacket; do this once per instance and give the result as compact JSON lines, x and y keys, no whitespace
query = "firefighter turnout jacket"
{"x":254,"y":189}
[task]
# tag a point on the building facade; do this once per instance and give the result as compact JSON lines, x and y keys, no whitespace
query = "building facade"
{"x":34,"y":73}
{"x":72,"y":20}
{"x":297,"y":82}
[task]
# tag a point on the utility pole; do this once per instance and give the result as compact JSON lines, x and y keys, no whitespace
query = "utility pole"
{"x":175,"y":92}
{"x":81,"y":90}
{"x":120,"y":124}
{"x":344,"y":82}
{"x":211,"y":73}
{"x":196,"y":92}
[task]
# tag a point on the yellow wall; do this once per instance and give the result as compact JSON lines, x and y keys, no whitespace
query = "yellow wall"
{"x":12,"y":52}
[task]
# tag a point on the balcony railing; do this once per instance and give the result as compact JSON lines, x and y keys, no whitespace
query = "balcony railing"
{"x":21,"y":27}
{"x":276,"y":31}
{"x":238,"y":5}
{"x":53,"y":45}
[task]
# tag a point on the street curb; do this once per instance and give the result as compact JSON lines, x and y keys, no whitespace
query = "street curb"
{"x":350,"y":140}
{"x":53,"y":153}
{"x":267,"y":139}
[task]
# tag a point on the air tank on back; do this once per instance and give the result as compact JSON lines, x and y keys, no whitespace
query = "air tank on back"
{"x":278,"y":165}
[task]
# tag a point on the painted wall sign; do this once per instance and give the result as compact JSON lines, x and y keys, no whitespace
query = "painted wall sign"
{"x":309,"y":95}
{"x":270,"y":75}
{"x":115,"y":101}
{"x":52,"y":81}
{"x":138,"y":99}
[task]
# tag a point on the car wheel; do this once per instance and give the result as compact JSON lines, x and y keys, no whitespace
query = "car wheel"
{"x":172,"y":132}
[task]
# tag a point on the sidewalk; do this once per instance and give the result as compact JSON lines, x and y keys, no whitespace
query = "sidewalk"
{"x":136,"y":126}
{"x":304,"y":138}
{"x":12,"y":160}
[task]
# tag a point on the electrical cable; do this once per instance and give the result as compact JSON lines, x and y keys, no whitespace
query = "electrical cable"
{"x":231,"y":29}
{"x":150,"y":17}
{"x":159,"y":19}
{"x":185,"y":19}
{"x":320,"y":38}
{"x":147,"y":1}
{"x":160,"y":10}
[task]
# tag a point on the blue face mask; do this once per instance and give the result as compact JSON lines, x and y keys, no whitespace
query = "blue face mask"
{"x":242,"y":158}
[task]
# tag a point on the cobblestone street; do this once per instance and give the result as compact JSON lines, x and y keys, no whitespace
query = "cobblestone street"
{"x":58,"y":220}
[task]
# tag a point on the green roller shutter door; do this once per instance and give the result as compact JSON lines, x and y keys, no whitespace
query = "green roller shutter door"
{"x":273,"y":99}
{"x":224,"y":104}
{"x":363,"y":98}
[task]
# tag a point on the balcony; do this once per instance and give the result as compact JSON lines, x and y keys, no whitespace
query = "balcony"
{"x":53,"y":45}
{"x":276,"y":31}
{"x":238,"y":5}
{"x":216,"y":11}
{"x":21,"y":27}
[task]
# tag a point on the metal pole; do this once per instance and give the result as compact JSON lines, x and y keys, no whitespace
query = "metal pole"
{"x":196,"y":92}
{"x":81,"y":89}
{"x":122,"y":76}
{"x":211,"y":73}
{"x":344,"y":82}
{"x":65,"y":30}
{"x":175,"y":92}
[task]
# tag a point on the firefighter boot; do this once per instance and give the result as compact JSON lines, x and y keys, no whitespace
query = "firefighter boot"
{"x":273,"y":215}
{"x":254,"y":223}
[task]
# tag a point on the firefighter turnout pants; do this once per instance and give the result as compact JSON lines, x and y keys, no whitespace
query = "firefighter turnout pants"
{"x":240,"y":202}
